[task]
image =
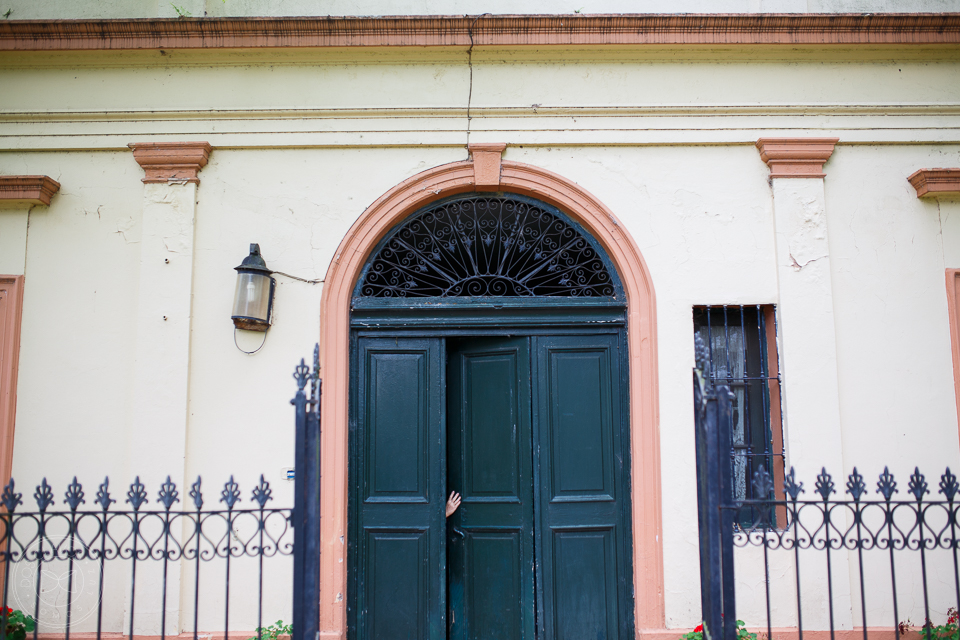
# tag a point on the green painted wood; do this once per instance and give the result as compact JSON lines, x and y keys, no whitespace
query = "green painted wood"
{"x":582,"y":561}
{"x":491,"y":578}
{"x":481,"y":315}
{"x":396,"y":554}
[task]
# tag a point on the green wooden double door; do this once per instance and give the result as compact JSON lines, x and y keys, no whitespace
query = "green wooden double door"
{"x":530,"y":430}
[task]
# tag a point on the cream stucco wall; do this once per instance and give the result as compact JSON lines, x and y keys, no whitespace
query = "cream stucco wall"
{"x":304,"y":141}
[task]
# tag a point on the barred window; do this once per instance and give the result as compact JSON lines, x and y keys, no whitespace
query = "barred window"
{"x":742,"y":348}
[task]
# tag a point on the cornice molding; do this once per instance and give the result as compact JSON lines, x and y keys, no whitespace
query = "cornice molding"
{"x":24,"y":190}
{"x":165,"y":162}
{"x":796,"y":157}
{"x":498,"y":30}
{"x":936,"y":182}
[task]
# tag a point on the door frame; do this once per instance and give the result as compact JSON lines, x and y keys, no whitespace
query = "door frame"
{"x":349,"y":259}
{"x":517,"y":317}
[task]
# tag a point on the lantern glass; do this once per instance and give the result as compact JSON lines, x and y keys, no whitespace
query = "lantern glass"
{"x":251,"y":303}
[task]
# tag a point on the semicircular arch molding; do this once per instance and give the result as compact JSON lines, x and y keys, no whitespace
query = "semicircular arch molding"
{"x":346,"y":268}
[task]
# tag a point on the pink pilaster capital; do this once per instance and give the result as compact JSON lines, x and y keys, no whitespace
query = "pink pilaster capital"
{"x":936,"y":182}
{"x":486,"y":164}
{"x":796,"y":157}
{"x":23,"y":190}
{"x":171,"y":161}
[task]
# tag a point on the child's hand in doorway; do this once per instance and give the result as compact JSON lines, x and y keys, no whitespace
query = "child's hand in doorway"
{"x":453,"y":502}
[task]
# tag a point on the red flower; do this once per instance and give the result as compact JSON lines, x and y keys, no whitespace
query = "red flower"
{"x":699,"y":629}
{"x":7,"y":611}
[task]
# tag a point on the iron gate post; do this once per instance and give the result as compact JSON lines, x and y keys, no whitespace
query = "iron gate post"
{"x":713,"y":416}
{"x":306,"y":504}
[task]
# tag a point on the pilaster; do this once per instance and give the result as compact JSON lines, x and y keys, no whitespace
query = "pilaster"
{"x":806,"y":331}
{"x":161,"y":373}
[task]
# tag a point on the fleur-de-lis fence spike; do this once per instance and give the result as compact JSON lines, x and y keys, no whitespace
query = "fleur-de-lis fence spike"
{"x":10,"y":498}
{"x":886,"y":485}
{"x":301,"y":373}
{"x":168,"y":494}
{"x":918,"y":484}
{"x":43,"y":495}
{"x":948,"y":485}
{"x":855,"y":485}
{"x":231,"y":492}
{"x":824,"y":485}
{"x":103,"y":494}
{"x":262,"y":492}
{"x":790,"y":485}
{"x":195,"y":494}
{"x":137,"y":494}
{"x":74,"y":494}
{"x":762,"y":484}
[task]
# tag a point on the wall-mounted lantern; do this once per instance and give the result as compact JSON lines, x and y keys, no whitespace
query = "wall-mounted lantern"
{"x":253,"y":302}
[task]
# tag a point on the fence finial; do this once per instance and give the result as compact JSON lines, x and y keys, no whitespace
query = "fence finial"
{"x":948,"y":485}
{"x":855,"y":485}
{"x":230,"y":493}
{"x":74,"y":495}
{"x":43,"y":495}
{"x":137,"y":494}
{"x":196,"y":495}
{"x":168,"y":494}
{"x":790,"y":486}
{"x":10,"y":498}
{"x":824,"y":484}
{"x":103,"y":494}
{"x":886,"y":485}
{"x":262,"y":492}
{"x":918,"y":484}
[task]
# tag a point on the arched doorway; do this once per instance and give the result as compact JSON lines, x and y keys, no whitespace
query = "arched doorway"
{"x":489,"y":357}
{"x":341,"y":280}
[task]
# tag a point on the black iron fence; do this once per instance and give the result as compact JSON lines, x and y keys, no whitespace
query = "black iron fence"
{"x":155,"y":562}
{"x":847,"y":553}
{"x":45,"y":547}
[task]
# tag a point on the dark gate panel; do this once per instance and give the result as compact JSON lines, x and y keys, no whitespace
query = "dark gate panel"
{"x":489,"y":461}
{"x":396,"y":550}
{"x":583,"y":539}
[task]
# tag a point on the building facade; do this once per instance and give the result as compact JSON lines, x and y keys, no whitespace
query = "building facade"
{"x":804,"y":167}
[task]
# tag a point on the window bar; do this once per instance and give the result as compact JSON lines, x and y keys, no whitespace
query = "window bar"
{"x":745,"y":413}
{"x":709,"y":341}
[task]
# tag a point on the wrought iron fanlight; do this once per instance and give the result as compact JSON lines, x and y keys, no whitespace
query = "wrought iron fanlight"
{"x":486,"y":246}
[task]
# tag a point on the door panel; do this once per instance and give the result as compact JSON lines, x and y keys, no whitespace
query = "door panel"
{"x":490,"y":462}
{"x":580,"y":531}
{"x":397,"y":540}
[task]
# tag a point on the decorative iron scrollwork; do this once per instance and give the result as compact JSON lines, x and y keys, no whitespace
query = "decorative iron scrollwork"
{"x":486,"y":246}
